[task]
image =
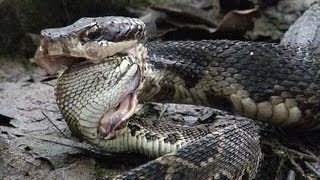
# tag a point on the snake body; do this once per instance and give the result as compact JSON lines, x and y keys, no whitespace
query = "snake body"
{"x":263,"y":81}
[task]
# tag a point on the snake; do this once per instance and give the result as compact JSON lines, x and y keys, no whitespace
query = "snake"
{"x":111,"y":66}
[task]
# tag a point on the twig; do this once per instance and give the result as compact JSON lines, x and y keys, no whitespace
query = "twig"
{"x":311,"y":154}
{"x":77,"y":145}
{"x":300,"y":154}
{"x":56,"y":140}
{"x":292,"y":154}
{"x":297,"y":153}
{"x":296,"y":165}
{"x":312,"y":168}
{"x":54,"y":124}
{"x":163,"y":110}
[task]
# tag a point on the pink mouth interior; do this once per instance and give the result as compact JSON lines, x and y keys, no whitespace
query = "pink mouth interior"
{"x":112,"y":118}
{"x":51,"y":64}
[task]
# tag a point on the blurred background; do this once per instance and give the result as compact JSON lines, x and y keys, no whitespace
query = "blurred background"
{"x":259,"y":20}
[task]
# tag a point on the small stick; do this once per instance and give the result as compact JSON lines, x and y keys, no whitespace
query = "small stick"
{"x":54,"y":124}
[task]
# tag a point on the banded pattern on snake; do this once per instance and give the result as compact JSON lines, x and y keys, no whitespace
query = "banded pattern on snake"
{"x":110,"y":67}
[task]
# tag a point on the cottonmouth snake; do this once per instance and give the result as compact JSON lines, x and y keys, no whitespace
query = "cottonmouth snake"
{"x":110,"y":66}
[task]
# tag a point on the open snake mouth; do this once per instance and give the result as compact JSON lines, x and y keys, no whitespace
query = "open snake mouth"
{"x":91,"y":38}
{"x":115,"y":118}
{"x":50,"y":56}
{"x":83,"y":47}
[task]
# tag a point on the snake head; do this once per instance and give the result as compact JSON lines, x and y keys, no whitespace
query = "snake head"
{"x":105,"y":59}
{"x":91,"y":38}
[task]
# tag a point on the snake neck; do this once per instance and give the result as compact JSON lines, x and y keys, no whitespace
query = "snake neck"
{"x":268,"y":82}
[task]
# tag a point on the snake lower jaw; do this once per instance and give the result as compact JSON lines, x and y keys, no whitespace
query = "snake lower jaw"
{"x":115,"y":119}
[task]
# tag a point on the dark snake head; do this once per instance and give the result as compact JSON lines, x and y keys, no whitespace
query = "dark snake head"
{"x":91,"y":38}
{"x":105,"y":59}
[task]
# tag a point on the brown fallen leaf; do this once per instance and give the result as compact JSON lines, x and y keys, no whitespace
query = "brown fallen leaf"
{"x":237,"y":22}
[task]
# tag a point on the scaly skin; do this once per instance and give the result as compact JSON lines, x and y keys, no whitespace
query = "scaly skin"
{"x":226,"y":147}
{"x":263,"y":81}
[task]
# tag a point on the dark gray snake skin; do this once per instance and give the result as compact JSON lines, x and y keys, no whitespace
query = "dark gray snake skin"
{"x":262,"y":81}
{"x":227,"y":148}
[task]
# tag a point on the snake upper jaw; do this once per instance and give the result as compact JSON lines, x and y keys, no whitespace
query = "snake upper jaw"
{"x":91,"y":38}
{"x":51,"y":55}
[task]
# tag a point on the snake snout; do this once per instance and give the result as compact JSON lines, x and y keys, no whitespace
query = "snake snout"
{"x":91,"y":38}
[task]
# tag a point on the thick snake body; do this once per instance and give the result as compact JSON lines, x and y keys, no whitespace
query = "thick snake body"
{"x":228,"y":148}
{"x":264,"y":81}
{"x":261,"y":81}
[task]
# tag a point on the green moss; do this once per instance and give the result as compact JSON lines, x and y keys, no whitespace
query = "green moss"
{"x":31,"y":61}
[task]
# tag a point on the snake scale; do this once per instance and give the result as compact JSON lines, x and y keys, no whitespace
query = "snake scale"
{"x":111,"y":66}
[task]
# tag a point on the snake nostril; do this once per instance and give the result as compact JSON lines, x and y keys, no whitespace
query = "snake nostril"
{"x":117,"y":107}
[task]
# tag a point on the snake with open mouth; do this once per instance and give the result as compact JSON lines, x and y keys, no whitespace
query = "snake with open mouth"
{"x":111,"y":66}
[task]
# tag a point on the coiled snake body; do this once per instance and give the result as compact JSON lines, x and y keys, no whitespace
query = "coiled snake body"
{"x":110,"y":66}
